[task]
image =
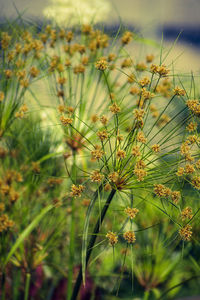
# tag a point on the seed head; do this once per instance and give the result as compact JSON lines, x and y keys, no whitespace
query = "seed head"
{"x":97,"y":153}
{"x":66,"y":121}
{"x":131,"y":212}
{"x":186,"y":233}
{"x":136,"y":151}
{"x":129,"y":236}
{"x":76,"y":191}
{"x":96,"y":176}
{"x":186,"y":213}
{"x":179,"y":92}
{"x":103,"y":135}
{"x":121,"y":154}
{"x":112,"y":238}
{"x":127,"y":37}
{"x":101,"y":64}
{"x":113,"y":177}
{"x":155,"y":148}
{"x":114,"y":108}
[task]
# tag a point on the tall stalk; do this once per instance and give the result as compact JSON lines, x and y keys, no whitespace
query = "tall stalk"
{"x":91,"y":243}
{"x":72,"y":235}
{"x":27,"y":286}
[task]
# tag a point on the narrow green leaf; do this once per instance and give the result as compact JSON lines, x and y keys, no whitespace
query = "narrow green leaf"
{"x":26,"y":232}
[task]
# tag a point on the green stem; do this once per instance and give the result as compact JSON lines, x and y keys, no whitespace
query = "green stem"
{"x":91,"y":243}
{"x":146,"y":295}
{"x":27,"y":286}
{"x":72,"y":235}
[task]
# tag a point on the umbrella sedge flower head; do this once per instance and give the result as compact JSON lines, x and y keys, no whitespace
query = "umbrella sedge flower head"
{"x":179,"y":92}
{"x":186,"y":233}
{"x":113,"y":177}
{"x":192,"y":126}
{"x":111,"y":57}
{"x":114,"y":108}
{"x":138,"y":114}
{"x":140,"y":174}
{"x":196,"y":182}
{"x":136,"y":151}
{"x":186,"y":213}
{"x":141,"y":66}
{"x":149,"y":58}
{"x":101,"y":64}
{"x":189,"y":169}
{"x":104,"y":120}
{"x":5,"y":223}
{"x":61,"y":108}
{"x":61,"y":80}
{"x":96,"y":176}
{"x":180,"y":171}
{"x":79,"y":69}
{"x":34,"y":72}
{"x":144,"y":81}
{"x":146,"y":94}
{"x":86,"y":29}
{"x":131,"y":212}
{"x":163,"y":71}
{"x":162,"y":191}
{"x":97,"y":153}
{"x":155,"y":148}
{"x":176,"y":196}
{"x":94,"y":118}
{"x":66,"y":121}
{"x":129,"y":236}
{"x":126,"y":63}
{"x":103,"y":135}
{"x":127,"y":37}
{"x":141,"y":138}
{"x":76,"y":191}
{"x":121,"y":154}
{"x":112,"y":238}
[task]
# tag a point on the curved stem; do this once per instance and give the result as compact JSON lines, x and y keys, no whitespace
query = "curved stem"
{"x":91,"y":243}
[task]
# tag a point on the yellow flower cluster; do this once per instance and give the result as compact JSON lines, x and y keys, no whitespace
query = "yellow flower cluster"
{"x":185,"y":232}
{"x":186,"y":213}
{"x":131,"y":212}
{"x":113,"y":177}
{"x":114,"y":108}
{"x":5,"y":223}
{"x":103,"y":135}
{"x":96,"y":176}
{"x":101,"y":64}
{"x":129,"y":236}
{"x":112,"y":238}
{"x":97,"y":153}
{"x":121,"y":154}
{"x":66,"y":121}
{"x":76,"y":191}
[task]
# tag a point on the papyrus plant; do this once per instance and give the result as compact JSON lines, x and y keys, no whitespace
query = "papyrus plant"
{"x":128,"y":134}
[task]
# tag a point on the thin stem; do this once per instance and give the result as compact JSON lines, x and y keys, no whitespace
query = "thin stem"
{"x":91,"y":243}
{"x":27,"y":286}
{"x":146,"y":295}
{"x":72,"y":235}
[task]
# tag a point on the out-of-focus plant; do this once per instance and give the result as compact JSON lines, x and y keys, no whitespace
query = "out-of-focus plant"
{"x":71,"y":12}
